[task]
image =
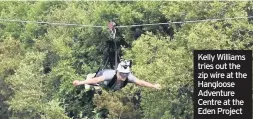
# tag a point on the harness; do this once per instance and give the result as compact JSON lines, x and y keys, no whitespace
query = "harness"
{"x":113,"y":81}
{"x":111,"y":26}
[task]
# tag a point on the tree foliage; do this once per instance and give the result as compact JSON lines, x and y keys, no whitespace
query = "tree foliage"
{"x":39,"y":61}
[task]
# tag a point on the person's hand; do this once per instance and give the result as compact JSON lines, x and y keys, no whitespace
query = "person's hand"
{"x":157,"y":86}
{"x":76,"y":82}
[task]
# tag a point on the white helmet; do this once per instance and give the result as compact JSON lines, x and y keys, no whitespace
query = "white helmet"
{"x":124,"y":66}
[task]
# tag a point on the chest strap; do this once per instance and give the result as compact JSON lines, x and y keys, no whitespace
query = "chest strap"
{"x":113,"y":81}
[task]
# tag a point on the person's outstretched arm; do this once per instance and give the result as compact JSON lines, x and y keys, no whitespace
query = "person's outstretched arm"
{"x":147,"y":84}
{"x":89,"y":81}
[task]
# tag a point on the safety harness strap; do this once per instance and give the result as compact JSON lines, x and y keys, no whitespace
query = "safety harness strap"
{"x":111,"y":26}
{"x":101,"y":67}
{"x":113,"y":81}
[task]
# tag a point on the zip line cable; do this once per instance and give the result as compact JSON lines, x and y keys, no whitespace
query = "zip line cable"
{"x":181,"y":22}
{"x":50,"y":23}
{"x":121,"y":26}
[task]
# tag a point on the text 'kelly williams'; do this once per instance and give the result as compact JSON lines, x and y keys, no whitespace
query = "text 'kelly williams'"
{"x":220,"y":57}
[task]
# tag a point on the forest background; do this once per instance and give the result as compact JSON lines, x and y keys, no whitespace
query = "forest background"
{"x":39,"y":61}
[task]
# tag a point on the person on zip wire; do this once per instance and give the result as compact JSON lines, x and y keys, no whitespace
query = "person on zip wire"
{"x":115,"y":79}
